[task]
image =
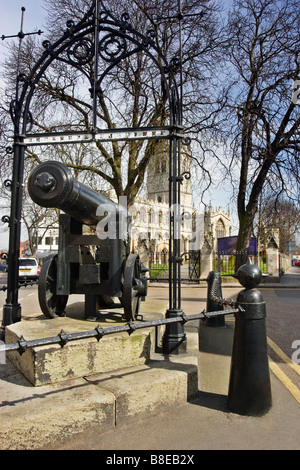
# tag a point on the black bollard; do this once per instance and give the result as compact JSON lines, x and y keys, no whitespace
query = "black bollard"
{"x":249,"y":386}
{"x":214,"y":297}
{"x":174,"y":339}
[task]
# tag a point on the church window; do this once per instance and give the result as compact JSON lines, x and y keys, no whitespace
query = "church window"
{"x":220,"y":229}
{"x":160,"y":217}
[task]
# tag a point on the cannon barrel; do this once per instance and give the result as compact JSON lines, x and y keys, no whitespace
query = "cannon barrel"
{"x":52,"y":184}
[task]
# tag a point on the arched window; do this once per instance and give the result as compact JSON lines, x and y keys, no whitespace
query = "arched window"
{"x":163,"y":165}
{"x":160,"y":217}
{"x":220,"y":229}
{"x":142,"y":217}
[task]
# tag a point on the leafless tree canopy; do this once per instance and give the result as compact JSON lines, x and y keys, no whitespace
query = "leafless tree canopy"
{"x":133,"y":94}
{"x":263,"y":114}
{"x":277,"y":212}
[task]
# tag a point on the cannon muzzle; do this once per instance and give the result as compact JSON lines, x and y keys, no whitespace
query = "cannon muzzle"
{"x":51,"y":184}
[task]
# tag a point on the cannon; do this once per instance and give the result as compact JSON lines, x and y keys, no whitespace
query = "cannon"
{"x":93,"y":249}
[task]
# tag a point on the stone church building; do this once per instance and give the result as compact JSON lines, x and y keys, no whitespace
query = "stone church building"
{"x":199,"y":230}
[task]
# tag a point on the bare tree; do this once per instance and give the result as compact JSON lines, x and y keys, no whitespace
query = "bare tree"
{"x":278,"y":213}
{"x":263,"y":114}
{"x":133,"y":94}
{"x":37,"y":221}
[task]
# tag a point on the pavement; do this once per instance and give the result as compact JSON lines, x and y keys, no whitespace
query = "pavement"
{"x":172,"y":403}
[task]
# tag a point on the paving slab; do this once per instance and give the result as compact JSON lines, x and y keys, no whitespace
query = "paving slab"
{"x":32,"y":417}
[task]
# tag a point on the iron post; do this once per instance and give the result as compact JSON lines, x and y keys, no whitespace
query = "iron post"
{"x":12,"y":308}
{"x":214,"y":295}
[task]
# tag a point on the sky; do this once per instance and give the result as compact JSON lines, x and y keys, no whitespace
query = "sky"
{"x":10,"y":16}
{"x":34,"y":19}
{"x":10,"y":24}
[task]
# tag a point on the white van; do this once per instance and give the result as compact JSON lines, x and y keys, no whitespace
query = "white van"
{"x":28,"y":269}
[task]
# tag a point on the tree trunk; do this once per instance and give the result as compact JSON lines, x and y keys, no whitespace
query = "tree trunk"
{"x":242,"y":246}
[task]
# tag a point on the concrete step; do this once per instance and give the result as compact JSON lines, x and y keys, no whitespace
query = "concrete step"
{"x":34,"y":416}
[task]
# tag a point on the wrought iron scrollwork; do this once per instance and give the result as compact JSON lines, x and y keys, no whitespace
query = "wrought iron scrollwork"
{"x":5,"y":219}
{"x":186,"y":141}
{"x":186,"y":255}
{"x":46,"y":44}
{"x":8,"y":184}
{"x":186,"y":174}
{"x":186,"y":215}
{"x":99,"y":35}
{"x":175,"y":64}
{"x":70,"y":24}
{"x":81,"y":51}
{"x":149,"y":39}
{"x":112,"y":48}
{"x":15,"y":114}
{"x":14,"y":110}
{"x":29,"y":122}
{"x":124,"y":18}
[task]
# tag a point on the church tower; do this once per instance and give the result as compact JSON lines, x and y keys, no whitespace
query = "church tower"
{"x":158,"y":177}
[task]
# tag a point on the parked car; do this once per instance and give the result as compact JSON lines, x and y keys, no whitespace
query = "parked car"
{"x":3,"y":267}
{"x":297,"y":262}
{"x":28,"y":269}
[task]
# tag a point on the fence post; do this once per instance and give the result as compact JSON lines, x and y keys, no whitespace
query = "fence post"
{"x":214,"y":295}
{"x":249,"y":384}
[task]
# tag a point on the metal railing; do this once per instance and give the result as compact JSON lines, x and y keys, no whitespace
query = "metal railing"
{"x":63,"y":338}
{"x":225,"y":261}
{"x":21,"y":284}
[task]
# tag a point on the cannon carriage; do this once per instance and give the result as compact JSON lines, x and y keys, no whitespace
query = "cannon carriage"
{"x":93,"y":256}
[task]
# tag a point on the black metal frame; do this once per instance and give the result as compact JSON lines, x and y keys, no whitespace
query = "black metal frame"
{"x":79,"y":45}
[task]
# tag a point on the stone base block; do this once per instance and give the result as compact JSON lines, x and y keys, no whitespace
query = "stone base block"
{"x":52,"y":363}
{"x":143,"y":391}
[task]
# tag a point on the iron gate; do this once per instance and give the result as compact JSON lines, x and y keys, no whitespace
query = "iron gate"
{"x":190,"y":266}
{"x":226,"y":256}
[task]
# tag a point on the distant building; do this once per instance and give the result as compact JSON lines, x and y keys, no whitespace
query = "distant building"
{"x":46,"y":241}
{"x":151,"y":215}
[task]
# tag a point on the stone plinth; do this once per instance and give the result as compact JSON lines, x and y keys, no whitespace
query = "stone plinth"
{"x":50,"y":364}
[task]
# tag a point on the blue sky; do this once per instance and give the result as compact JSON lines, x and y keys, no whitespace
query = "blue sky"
{"x":10,"y":23}
{"x":10,"y":16}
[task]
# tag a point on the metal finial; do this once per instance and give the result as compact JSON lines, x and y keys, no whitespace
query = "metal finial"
{"x":21,"y":34}
{"x":249,"y":275}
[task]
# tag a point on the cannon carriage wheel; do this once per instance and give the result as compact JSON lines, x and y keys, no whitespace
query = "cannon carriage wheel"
{"x":51,"y":304}
{"x":131,"y":287}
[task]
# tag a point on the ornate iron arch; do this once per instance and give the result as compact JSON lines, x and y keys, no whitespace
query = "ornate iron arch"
{"x":80,"y":44}
{"x":98,"y":36}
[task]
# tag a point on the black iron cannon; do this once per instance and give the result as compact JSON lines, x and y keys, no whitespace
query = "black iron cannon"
{"x":98,"y":263}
